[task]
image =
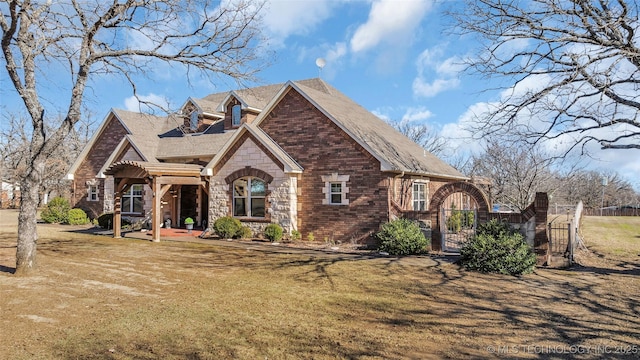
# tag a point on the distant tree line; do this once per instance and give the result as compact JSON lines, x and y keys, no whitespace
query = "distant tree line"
{"x":512,"y":172}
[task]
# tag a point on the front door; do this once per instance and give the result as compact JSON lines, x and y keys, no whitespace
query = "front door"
{"x":188,"y":202}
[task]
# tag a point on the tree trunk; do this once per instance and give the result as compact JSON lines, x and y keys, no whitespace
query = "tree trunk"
{"x":27,"y":232}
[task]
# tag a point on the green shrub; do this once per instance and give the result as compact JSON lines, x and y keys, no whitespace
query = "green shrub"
{"x":401,"y":237}
{"x":454,"y":221}
{"x":105,"y":221}
{"x":245,"y":233}
{"x":57,"y":211}
{"x":311,"y":237}
{"x":495,"y":228}
{"x":295,"y":235}
{"x":77,"y":217}
{"x":498,"y":248}
{"x":273,"y":232}
{"x":188,"y":221}
{"x":227,"y":227}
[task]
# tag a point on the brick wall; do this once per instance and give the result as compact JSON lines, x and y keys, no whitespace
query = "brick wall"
{"x":102,"y":148}
{"x":322,"y":149}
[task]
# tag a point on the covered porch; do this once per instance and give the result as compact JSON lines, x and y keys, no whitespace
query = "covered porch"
{"x":166,"y":180}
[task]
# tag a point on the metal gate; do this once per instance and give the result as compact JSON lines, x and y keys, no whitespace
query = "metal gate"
{"x":456,"y":226}
{"x":559,"y":238}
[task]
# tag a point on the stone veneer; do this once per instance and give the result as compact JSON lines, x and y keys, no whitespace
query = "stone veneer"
{"x":281,"y":204}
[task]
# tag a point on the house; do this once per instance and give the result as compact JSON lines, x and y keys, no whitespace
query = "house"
{"x":9,"y":195}
{"x":300,"y":154}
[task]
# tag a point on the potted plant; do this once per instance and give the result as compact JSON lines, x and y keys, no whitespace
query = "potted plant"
{"x":188,"y":222}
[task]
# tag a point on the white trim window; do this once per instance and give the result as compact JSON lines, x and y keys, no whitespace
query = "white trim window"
{"x":236,"y":115}
{"x":92,"y":190}
{"x":92,"y":193}
{"x":419,"y":196}
{"x":335,"y":189}
{"x":132,"y":202}
{"x":249,"y":194}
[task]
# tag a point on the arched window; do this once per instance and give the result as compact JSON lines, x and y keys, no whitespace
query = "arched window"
{"x":236,"y":115}
{"x":249,"y":197}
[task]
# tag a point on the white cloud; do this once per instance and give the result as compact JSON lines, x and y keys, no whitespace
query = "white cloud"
{"x":418,"y":114}
{"x":138,"y":104}
{"x":283,"y":18}
{"x":382,"y":115}
{"x":389,"y":22}
{"x":336,"y":52}
{"x":443,"y":73}
{"x":426,"y":89}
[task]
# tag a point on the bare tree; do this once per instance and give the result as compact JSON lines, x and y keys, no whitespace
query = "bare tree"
{"x":422,"y":135}
{"x":596,"y":189}
{"x":14,"y":151}
{"x":572,"y":69}
{"x":516,"y":173}
{"x":126,"y":38}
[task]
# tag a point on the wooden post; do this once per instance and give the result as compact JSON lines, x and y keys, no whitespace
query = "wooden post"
{"x":117,"y":211}
{"x":155,"y":211}
{"x":121,"y":187}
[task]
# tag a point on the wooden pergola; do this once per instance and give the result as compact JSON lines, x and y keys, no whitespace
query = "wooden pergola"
{"x":159,"y":176}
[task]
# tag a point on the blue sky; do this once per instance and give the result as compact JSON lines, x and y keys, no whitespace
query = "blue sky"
{"x":393,"y":57}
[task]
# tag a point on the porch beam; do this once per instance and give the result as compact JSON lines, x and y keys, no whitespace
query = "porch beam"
{"x":179,"y":180}
{"x":164,"y":190}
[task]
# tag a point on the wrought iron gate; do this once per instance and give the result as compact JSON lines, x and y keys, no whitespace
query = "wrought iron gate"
{"x":456,"y":226}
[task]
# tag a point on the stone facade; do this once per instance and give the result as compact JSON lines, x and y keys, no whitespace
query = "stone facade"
{"x":249,"y":159}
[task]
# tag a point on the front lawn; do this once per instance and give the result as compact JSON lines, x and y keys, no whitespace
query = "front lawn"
{"x":101,"y":298}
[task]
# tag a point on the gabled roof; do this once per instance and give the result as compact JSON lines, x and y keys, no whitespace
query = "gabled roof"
{"x":290,"y":165}
{"x":255,"y":98}
{"x":159,"y":138}
{"x":396,"y":152}
{"x":143,"y":126}
{"x":191,"y":145}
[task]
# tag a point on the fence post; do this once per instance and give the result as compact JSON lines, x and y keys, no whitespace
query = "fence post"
{"x":550,"y":237}
{"x":572,"y":235}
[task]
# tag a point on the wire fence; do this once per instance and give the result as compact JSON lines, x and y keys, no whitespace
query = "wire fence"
{"x":568,"y":210}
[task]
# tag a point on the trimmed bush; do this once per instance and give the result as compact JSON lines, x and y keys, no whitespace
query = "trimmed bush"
{"x":57,"y":211}
{"x":105,"y":221}
{"x":77,"y":217}
{"x":245,"y":233}
{"x":273,"y":232}
{"x":498,"y":248}
{"x":295,"y":235}
{"x":401,"y":237}
{"x":227,"y":227}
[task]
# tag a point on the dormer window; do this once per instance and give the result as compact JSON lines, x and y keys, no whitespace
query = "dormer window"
{"x":193,"y":121}
{"x":236,"y":114}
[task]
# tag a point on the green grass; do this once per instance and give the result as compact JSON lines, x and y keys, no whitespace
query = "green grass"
{"x":618,"y":237}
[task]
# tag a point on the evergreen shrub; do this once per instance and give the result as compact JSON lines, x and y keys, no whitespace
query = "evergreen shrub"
{"x":273,"y":232}
{"x":401,"y":237}
{"x":57,"y":211}
{"x":227,"y":227}
{"x":77,"y":217}
{"x":498,"y":248}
